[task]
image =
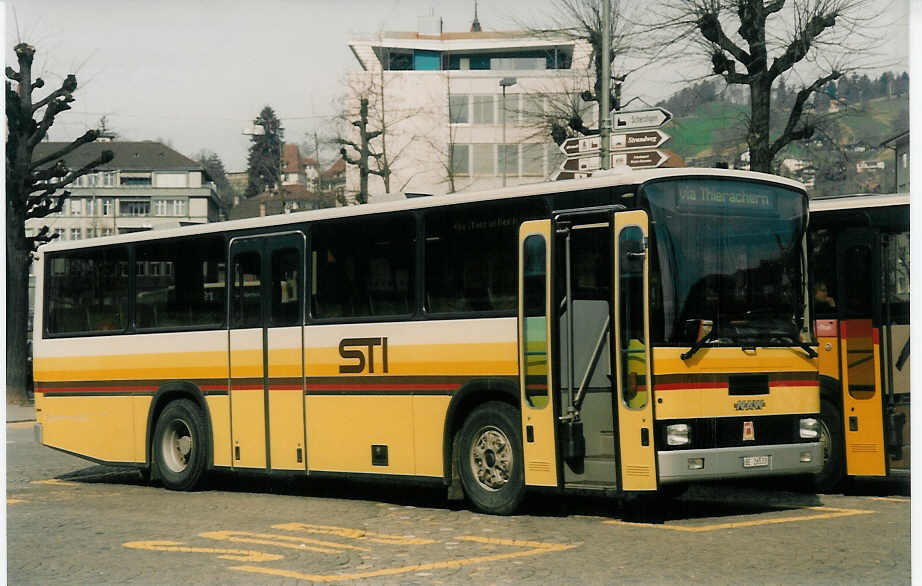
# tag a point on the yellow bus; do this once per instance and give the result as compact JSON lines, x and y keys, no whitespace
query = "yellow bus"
{"x":621,"y":333}
{"x":859,"y":255}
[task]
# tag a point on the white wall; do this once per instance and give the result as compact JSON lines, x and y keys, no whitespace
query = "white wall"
{"x":162,"y":179}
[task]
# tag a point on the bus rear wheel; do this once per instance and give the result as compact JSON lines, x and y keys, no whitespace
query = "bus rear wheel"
{"x":179,"y":445}
{"x":490,"y":458}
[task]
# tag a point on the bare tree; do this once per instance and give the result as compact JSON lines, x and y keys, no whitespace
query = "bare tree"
{"x":757,"y":43}
{"x":581,"y":20}
{"x":34,"y":189}
{"x":376,"y":120}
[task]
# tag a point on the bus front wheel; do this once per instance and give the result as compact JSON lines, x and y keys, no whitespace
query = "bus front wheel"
{"x":830,"y":432}
{"x":179,"y":445}
{"x":490,"y":458}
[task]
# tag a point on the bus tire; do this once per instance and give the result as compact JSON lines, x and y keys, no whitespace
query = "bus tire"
{"x":180,"y":445}
{"x":490,"y":458}
{"x":831,"y":437}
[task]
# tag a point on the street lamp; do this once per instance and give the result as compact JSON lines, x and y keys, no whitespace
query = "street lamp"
{"x":504,"y":83}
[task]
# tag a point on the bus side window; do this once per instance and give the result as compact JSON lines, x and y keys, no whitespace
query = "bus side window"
{"x":822,"y":246}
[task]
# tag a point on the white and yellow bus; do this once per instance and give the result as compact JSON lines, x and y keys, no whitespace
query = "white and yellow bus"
{"x":621,"y":333}
{"x":859,"y":257}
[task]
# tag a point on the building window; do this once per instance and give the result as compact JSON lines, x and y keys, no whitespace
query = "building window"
{"x":484,"y":110}
{"x":507,"y":157}
{"x":91,"y":207}
{"x":75,"y":234}
{"x":134,"y":208}
{"x":179,"y":207}
{"x":532,"y":110}
{"x":400,"y":61}
{"x":460,"y":159}
{"x":60,"y":232}
{"x":76,"y":206}
{"x":92,"y":179}
{"x":459,"y":111}
{"x":107,"y":231}
{"x":160,"y":207}
{"x":533,"y":159}
{"x":92,"y":232}
{"x":136,"y":180}
{"x":482,"y":159}
{"x":108,"y":178}
{"x":107,"y":207}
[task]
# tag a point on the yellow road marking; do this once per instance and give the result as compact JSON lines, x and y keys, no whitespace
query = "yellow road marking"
{"x":354,"y":534}
{"x":288,"y":541}
{"x":890,"y":499}
{"x":55,"y":482}
{"x":537,"y":549}
{"x":240,"y":555}
{"x":15,"y":501}
{"x":830,"y":514}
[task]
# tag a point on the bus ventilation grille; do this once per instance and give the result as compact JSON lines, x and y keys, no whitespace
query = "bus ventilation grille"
{"x":864,"y":448}
{"x":539,"y":466}
{"x":637,"y":471}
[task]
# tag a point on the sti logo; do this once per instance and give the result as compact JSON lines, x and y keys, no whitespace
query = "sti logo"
{"x":362,"y":351}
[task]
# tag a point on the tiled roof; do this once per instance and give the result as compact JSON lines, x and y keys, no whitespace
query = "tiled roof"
{"x":292,"y":162}
{"x":129,"y":156}
{"x":339,"y":166}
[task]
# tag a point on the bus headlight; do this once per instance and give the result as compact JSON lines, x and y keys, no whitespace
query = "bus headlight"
{"x":809,"y":428}
{"x":678,"y":434}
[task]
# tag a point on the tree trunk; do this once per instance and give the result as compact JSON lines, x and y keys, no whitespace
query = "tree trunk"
{"x":760,"y":156}
{"x":18,"y":257}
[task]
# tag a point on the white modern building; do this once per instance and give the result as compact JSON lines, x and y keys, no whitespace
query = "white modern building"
{"x":442,"y":101}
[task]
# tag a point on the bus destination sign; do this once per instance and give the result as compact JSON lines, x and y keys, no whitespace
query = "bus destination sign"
{"x":692,"y":196}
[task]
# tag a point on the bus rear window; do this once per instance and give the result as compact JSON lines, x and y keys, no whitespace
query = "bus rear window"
{"x":87,"y":291}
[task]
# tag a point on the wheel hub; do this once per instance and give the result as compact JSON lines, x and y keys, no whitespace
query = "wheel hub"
{"x":177,"y":445}
{"x":491,"y":458}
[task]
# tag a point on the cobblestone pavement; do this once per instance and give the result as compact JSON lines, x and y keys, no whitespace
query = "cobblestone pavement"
{"x":73,"y":522}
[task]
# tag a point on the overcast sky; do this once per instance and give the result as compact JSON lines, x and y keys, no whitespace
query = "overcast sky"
{"x":194,"y":73}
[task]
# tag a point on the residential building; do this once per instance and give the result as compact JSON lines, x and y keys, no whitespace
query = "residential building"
{"x":442,"y":105}
{"x":146,"y":186}
{"x":303,"y":188}
{"x":862,"y":166}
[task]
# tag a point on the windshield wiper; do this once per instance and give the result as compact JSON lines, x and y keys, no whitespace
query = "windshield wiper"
{"x":795,"y":340}
{"x":699,"y":344}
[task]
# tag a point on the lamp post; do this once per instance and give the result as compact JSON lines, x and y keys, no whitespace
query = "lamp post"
{"x":504,"y":83}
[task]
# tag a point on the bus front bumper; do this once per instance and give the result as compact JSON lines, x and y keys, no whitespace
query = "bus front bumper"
{"x":740,"y":462}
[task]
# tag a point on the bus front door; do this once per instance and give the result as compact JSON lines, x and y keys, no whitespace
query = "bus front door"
{"x":266,"y":316}
{"x":859,"y":339}
{"x":632,"y":353}
{"x":535,"y":373}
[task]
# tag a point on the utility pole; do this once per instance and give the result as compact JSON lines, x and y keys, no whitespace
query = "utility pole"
{"x":604,"y":106}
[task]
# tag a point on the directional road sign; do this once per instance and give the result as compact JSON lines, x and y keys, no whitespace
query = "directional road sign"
{"x":561,"y":175}
{"x":638,"y":159}
{"x":639,"y":139}
{"x":639,"y":119}
{"x":632,"y":159}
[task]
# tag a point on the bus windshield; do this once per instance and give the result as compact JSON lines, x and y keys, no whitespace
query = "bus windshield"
{"x":728,"y":262}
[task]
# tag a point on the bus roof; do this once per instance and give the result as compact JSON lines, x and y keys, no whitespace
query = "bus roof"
{"x":826,"y":203}
{"x":608,"y":179}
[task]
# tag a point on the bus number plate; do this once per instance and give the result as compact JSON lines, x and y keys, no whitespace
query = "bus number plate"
{"x":755,"y":461}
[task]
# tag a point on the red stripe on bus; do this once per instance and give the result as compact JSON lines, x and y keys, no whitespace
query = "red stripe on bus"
{"x":825,"y":327}
{"x":875,"y":335}
{"x":859,"y":328}
{"x":794,"y":383}
{"x":246,"y":387}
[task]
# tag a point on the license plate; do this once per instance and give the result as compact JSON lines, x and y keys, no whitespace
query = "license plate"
{"x":755,"y":461}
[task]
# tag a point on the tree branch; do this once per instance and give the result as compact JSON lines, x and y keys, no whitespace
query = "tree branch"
{"x":42,"y":237}
{"x":88,"y":136}
{"x":711,"y":30}
{"x":801,"y":44}
{"x":69,"y":85}
{"x":789,"y":135}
